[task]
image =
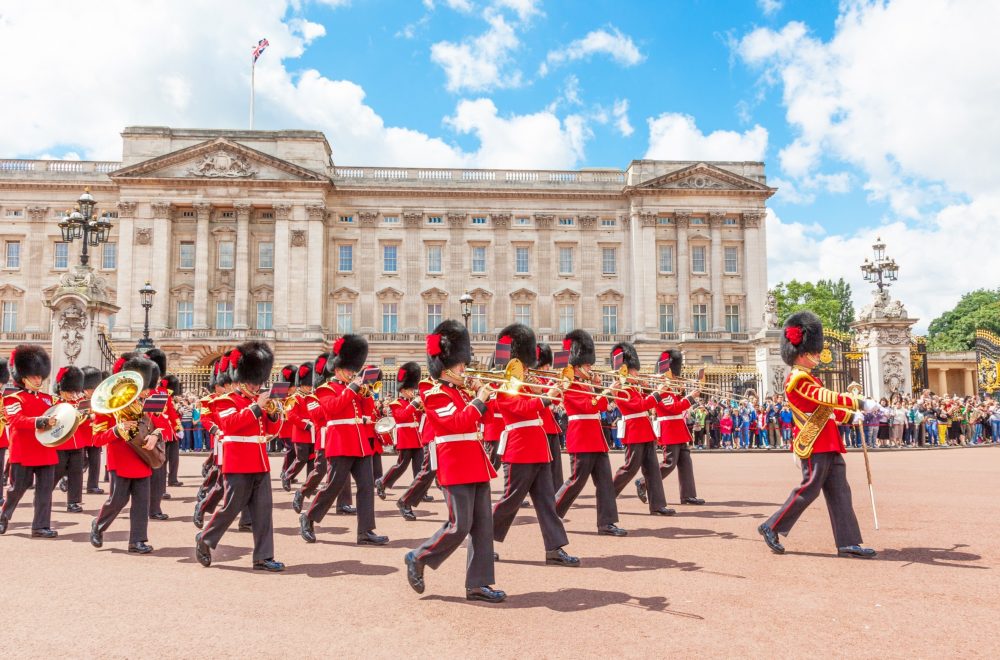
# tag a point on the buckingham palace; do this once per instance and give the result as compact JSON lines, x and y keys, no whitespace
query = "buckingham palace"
{"x":260,"y":234}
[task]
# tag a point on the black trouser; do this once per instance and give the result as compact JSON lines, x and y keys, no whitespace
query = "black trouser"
{"x":245,"y":491}
{"x":642,"y":456}
{"x":377,"y":465}
{"x":342,"y":468}
{"x":520,"y":479}
{"x":555,"y":467}
{"x":321,"y":468}
{"x":421,"y":483}
{"x":404,"y":457}
{"x":597,"y":466}
{"x":124,"y":489}
{"x":288,"y":453}
{"x":93,"y":468}
{"x":157,"y":487}
{"x":493,"y":448}
{"x":20,"y":478}
{"x":3,"y":466}
{"x":300,"y":459}
{"x":70,"y":465}
{"x":173,"y":461}
{"x":679,"y":456}
{"x":826,"y":472}
{"x":468,"y":515}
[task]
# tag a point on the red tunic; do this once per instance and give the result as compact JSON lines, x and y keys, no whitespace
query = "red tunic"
{"x":670,"y":418}
{"x":245,"y":430}
{"x":549,"y":424}
{"x":454,"y":421}
{"x":122,"y":459}
{"x":299,"y":422}
{"x":171,"y":423}
{"x":584,"y":433}
{"x":407,"y":424}
{"x":493,"y":424}
{"x":635,"y":411}
{"x":341,"y":407}
{"x":369,"y":417}
{"x":23,"y":408}
{"x":805,"y":393}
{"x":526,"y":439}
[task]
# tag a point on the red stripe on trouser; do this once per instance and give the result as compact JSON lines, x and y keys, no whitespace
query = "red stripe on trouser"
{"x":451,"y":521}
{"x":506,"y":489}
{"x":812,"y":475}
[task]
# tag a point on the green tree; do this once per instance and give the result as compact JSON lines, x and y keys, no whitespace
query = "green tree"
{"x":828,"y":299}
{"x":955,"y":330}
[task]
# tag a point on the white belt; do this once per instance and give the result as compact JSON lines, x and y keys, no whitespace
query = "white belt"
{"x":635,"y":416}
{"x":456,"y":437}
{"x":669,"y":418}
{"x":341,"y":422}
{"x":408,"y":425}
{"x":497,"y":416}
{"x":576,"y":418}
{"x":258,"y":439}
{"x":502,"y":447}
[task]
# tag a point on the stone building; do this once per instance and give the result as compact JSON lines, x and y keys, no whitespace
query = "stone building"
{"x":259,"y":234}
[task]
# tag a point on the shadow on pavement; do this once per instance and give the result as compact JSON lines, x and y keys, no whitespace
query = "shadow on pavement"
{"x":340,"y":568}
{"x":929,"y":556}
{"x":576,"y":600}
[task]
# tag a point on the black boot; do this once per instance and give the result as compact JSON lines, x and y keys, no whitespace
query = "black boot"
{"x":560,"y":558}
{"x":414,"y":572}
{"x":202,"y":551}
{"x":640,"y":490}
{"x":140,"y":548}
{"x":486,"y":594}
{"x":96,"y":538}
{"x":371,"y":538}
{"x":405,"y":511}
{"x":611,"y":530}
{"x":856,"y":551}
{"x":306,"y":528}
{"x":771,"y":539}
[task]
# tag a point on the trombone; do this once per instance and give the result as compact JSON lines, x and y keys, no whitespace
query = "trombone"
{"x":511,"y":380}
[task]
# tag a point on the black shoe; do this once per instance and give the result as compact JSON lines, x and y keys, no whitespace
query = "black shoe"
{"x":286,"y":484}
{"x":140,"y":548}
{"x":95,"y":491}
{"x":202,"y":551}
{"x":44,"y":533}
{"x":3,"y":525}
{"x":663,"y":511}
{"x":74,"y":508}
{"x":306,"y":528}
{"x":166,"y":496}
{"x":856,"y":551}
{"x":371,"y":538}
{"x":346,"y":510}
{"x":176,"y":484}
{"x":405,"y":511}
{"x":693,"y":500}
{"x":427,"y":498}
{"x":485,"y":594}
{"x":268,"y":565}
{"x":63,"y":484}
{"x":560,"y":558}
{"x":525,"y":504}
{"x":245,"y":527}
{"x":159,"y":516}
{"x":496,"y":556}
{"x":771,"y":539}
{"x":611,"y":530}
{"x":297,"y":501}
{"x":96,"y":538}
{"x":200,"y":495}
{"x":379,"y":489}
{"x":640,"y":490}
{"x":414,"y":572}
{"x":199,"y":516}
{"x":204,"y":470}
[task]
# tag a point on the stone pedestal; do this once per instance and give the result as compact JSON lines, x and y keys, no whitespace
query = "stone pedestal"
{"x":772,"y":370}
{"x":883,"y":334}
{"x":80,"y":311}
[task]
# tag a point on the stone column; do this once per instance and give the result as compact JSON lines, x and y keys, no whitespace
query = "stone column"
{"x":242,"y":286}
{"x":682,"y":219}
{"x":968,"y":385}
{"x":34,"y":264}
{"x":883,"y":333}
{"x":588,"y":254}
{"x":456,"y":262}
{"x":201,"y":250}
{"x":547,"y":273}
{"x":410,"y":266}
{"x":717,"y":264}
{"x":503,"y":256}
{"x":644,"y":301}
{"x":160,"y":266}
{"x":755,"y":271}
{"x":80,"y":310}
{"x":316,"y":293}
{"x":942,"y":386}
{"x":771,"y":368}
{"x":125,"y":284}
{"x":282,"y":263}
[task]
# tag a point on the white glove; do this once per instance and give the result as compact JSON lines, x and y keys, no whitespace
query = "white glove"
{"x":858,"y":418}
{"x":869,"y":405}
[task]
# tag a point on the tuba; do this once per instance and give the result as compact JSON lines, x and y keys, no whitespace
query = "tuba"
{"x":118,"y":396}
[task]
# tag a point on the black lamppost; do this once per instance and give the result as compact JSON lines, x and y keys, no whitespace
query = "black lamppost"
{"x":466,"y":302}
{"x":146,"y":294}
{"x":82,"y":224}
{"x":882,"y":270}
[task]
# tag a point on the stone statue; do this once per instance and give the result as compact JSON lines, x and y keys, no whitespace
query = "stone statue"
{"x":771,"y":311}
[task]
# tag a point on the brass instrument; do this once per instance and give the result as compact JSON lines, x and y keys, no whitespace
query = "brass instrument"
{"x":512,"y":379}
{"x":119,"y":396}
{"x":68,"y":420}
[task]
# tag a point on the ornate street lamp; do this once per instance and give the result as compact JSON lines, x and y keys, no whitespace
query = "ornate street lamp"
{"x":466,"y":302}
{"x":83,"y":224}
{"x":146,"y":294}
{"x":883,"y":270}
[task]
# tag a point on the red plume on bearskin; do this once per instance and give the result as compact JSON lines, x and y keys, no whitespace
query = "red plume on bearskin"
{"x":349,"y":352}
{"x":69,"y":379}
{"x":581,"y":348}
{"x":453,"y":344}
{"x":408,"y":376}
{"x":629,"y":356}
{"x":522,"y":343}
{"x":803,"y":334}
{"x":433,"y":344}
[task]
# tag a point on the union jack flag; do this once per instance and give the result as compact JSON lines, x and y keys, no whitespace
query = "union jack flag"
{"x":259,"y":49}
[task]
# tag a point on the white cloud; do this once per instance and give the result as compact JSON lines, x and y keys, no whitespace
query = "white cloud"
{"x":525,"y":9}
{"x":482,"y":63}
{"x":803,"y":191}
{"x":611,"y":42}
{"x":770,"y":7}
{"x":620,"y":112}
{"x":674,"y":136}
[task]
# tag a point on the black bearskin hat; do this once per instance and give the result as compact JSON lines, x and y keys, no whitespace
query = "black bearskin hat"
{"x":159,"y":357}
{"x":629,"y":357}
{"x":544,"y":352}
{"x":349,"y":352}
{"x":320,"y":373}
{"x":253,"y":364}
{"x":408,"y":376}
{"x":4,"y":371}
{"x":803,"y":334}
{"x":580,"y":345}
{"x":68,"y":379}
{"x":287,"y":374}
{"x":173,"y":383}
{"x":522,"y":343}
{"x":304,"y":375}
{"x":91,"y":378}
{"x":29,"y":360}
{"x":125,"y":357}
{"x":676,"y":360}
{"x":448,"y":346}
{"x":150,"y":371}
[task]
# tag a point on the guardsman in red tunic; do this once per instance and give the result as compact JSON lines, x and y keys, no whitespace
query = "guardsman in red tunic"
{"x":348,"y":446}
{"x":639,"y":440}
{"x":29,"y":459}
{"x":526,"y":457}
{"x":417,"y":490}
{"x":284,"y":438}
{"x":91,"y":452}
{"x":130,"y":475}
{"x":585,"y":438}
{"x":217,"y":384}
{"x":549,"y":424}
{"x":4,"y":377}
{"x":301,"y":424}
{"x":210,"y":493}
{"x":163,"y":421}
{"x":817,"y":411}
{"x":369,"y":415}
{"x":407,"y":412}
{"x":68,"y":386}
{"x":493,"y":426}
{"x":463,"y":466}
{"x":247,"y":419}
{"x":674,"y":435}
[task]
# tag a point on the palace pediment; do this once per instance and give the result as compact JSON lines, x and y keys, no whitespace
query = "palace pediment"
{"x":702,"y":177}
{"x":218,"y":160}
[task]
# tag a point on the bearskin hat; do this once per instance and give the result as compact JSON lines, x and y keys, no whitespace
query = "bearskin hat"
{"x":159,"y":357}
{"x":68,"y":379}
{"x":522,"y":343}
{"x":580,"y":345}
{"x":629,"y":357}
{"x":803,"y":334}
{"x":253,"y":363}
{"x":287,"y":374}
{"x":149,"y":370}
{"x":4,"y":371}
{"x":675,"y":359}
{"x":125,"y":357}
{"x":91,"y":378}
{"x":320,"y":372}
{"x":304,"y":375}
{"x":173,"y":383}
{"x":544,"y":352}
{"x":349,"y":352}
{"x":29,"y":360}
{"x":408,"y":376}
{"x":447,"y":346}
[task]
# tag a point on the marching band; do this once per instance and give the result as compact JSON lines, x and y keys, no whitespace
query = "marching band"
{"x":455,"y":428}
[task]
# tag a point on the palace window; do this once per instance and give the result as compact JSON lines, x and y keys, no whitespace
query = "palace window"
{"x":732,"y":260}
{"x":608,"y":261}
{"x":390,"y":317}
{"x":565,"y":261}
{"x":185,"y":314}
{"x":566,"y":222}
{"x":389,"y":263}
{"x":522,"y":222}
{"x":729,"y":221}
{"x":434,"y":259}
{"x":265,"y":315}
{"x":12,"y":254}
{"x":609,"y":222}
{"x":667,"y":317}
{"x":697,"y":221}
{"x":9,"y":323}
{"x":567,"y":318}
{"x":435,"y":314}
{"x":732,"y":318}
{"x":390,"y":219}
{"x":609,"y":319}
{"x":434,"y":220}
{"x":478,"y":259}
{"x":478,"y":319}
{"x":521,"y":260}
{"x":664,"y":221}
{"x":345,"y":318}
{"x":224,"y":315}
{"x":698,"y":264}
{"x":522,"y":314}
{"x":345,"y":258}
{"x":61,"y":261}
{"x":15,"y":213}
{"x":265,"y":255}
{"x":109,"y":256}
{"x":666,"y":258}
{"x":227,"y":255}
{"x":186,"y":255}
{"x":347,"y":219}
{"x":479,"y":220}
{"x":699,"y":317}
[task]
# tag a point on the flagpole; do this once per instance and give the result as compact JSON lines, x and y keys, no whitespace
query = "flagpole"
{"x":253,"y":66}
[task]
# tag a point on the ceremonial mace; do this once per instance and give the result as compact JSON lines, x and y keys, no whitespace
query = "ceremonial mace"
{"x":855,"y":389}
